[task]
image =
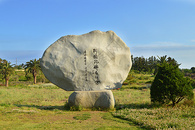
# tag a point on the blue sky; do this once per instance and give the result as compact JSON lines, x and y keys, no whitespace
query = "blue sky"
{"x":148,"y":27}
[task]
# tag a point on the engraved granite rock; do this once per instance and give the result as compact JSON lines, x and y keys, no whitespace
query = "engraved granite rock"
{"x":93,"y":61}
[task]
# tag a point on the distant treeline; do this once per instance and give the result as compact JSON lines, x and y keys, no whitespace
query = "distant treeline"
{"x":141,"y":64}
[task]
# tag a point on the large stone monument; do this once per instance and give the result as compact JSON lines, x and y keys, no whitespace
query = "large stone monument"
{"x":95,"y":62}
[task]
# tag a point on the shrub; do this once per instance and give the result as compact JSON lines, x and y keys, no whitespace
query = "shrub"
{"x":130,"y":77}
{"x":125,"y":83}
{"x":141,"y":77}
{"x":193,"y":84}
{"x":22,"y":78}
{"x":29,"y":77}
{"x":170,"y":85}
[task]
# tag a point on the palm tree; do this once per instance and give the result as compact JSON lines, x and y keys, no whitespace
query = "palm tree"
{"x":6,"y":70}
{"x":33,"y":67}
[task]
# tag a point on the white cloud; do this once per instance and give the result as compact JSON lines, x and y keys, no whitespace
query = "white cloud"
{"x":193,"y":40}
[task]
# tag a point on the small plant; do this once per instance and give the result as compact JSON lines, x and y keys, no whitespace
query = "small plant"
{"x":125,"y":83}
{"x":76,"y":108}
{"x":133,"y":81}
{"x":22,"y":78}
{"x":141,"y":77}
{"x":130,"y":77}
{"x":5,"y":104}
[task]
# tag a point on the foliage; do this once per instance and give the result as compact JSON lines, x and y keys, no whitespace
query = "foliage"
{"x":143,"y":64}
{"x":76,"y":108}
{"x":193,"y":69}
{"x":33,"y":67}
{"x":169,"y":84}
{"x":6,"y":70}
{"x":41,"y":78}
{"x":19,"y":67}
{"x":149,"y":65}
{"x":193,"y":84}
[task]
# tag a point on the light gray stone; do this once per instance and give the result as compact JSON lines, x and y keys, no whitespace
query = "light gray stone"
{"x":90,"y":99}
{"x":93,"y":61}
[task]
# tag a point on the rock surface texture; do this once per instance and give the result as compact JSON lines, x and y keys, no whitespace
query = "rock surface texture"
{"x":92,"y":99}
{"x":93,"y":61}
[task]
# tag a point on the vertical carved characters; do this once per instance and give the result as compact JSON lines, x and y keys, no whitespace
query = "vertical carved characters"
{"x":96,"y":67}
{"x":85,"y":62}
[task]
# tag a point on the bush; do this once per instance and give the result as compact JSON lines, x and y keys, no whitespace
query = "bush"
{"x":29,"y":77}
{"x":22,"y":78}
{"x":193,"y":84}
{"x":170,"y":85}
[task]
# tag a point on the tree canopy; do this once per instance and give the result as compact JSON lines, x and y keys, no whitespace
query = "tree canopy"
{"x":33,"y":67}
{"x":6,"y":70}
{"x":169,"y":84}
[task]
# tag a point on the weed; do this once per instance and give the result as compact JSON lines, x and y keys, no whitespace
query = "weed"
{"x":76,"y":108}
{"x":5,"y":104}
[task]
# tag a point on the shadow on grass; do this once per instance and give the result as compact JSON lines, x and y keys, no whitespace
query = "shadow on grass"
{"x":137,"y":106}
{"x":120,"y":107}
{"x":51,"y":108}
{"x":66,"y":107}
{"x":136,"y":123}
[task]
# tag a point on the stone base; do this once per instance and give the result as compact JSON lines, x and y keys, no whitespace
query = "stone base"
{"x":90,"y":99}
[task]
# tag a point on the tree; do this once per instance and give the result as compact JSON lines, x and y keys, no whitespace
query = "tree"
{"x":142,"y":64}
{"x":6,"y":71}
{"x":33,"y":67}
{"x":193,"y":69}
{"x":169,"y":84}
{"x":19,"y":67}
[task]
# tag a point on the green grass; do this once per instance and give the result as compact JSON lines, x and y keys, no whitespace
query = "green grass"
{"x":138,"y":81}
{"x":32,"y":107}
{"x":83,"y":116}
{"x":160,"y":118}
{"x":44,"y":106}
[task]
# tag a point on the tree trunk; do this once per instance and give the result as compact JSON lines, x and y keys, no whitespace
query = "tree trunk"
{"x":180,"y":99}
{"x":173,"y":102}
{"x":6,"y":82}
{"x":35,"y":76}
{"x":35,"y":79}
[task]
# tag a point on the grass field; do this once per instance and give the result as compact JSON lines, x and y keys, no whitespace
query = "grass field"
{"x":43,"y":106}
